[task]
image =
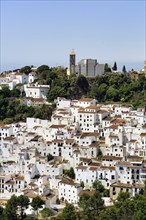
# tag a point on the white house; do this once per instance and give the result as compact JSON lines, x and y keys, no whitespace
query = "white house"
{"x":31,"y":77}
{"x":62,"y":103}
{"x":69,"y":191}
{"x":36,"y":91}
{"x":84,"y":102}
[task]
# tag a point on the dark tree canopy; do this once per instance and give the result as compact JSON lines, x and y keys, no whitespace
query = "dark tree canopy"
{"x":70,"y":173}
{"x":37,"y":203}
{"x":23,"y":202}
{"x":117,"y":87}
{"x":42,"y":68}
{"x":12,"y":110}
{"x":10,"y":212}
{"x":124,"y":69}
{"x":82,"y":83}
{"x":25,"y":69}
{"x":46,"y":212}
{"x":107,"y":68}
{"x":49,"y":157}
{"x":114,"y":66}
{"x":69,"y":213}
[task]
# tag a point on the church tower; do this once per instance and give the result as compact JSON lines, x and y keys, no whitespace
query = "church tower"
{"x":72,"y":61}
{"x":145,"y":66}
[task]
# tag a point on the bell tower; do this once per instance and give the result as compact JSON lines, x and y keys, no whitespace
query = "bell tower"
{"x":72,"y":61}
{"x":145,"y":66}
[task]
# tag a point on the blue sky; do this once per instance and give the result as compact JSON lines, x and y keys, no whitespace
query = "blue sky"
{"x":44,"y":32}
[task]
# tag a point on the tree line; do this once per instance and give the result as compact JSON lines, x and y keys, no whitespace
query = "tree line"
{"x":16,"y":206}
{"x":109,"y":87}
{"x":90,"y":207}
{"x":12,"y":110}
{"x":115,"y":87}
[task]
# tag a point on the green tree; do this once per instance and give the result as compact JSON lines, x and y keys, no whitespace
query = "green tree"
{"x":45,"y":213}
{"x":96,"y":202}
{"x":1,"y":212}
{"x":124,"y":69}
{"x":42,"y":68}
{"x":30,"y":218}
{"x":93,"y":91}
{"x":10,"y":211}
{"x":49,"y":157}
{"x":112,"y":94}
{"x":50,"y":77}
{"x":70,"y":173}
{"x":5,"y":92}
{"x":114,"y":66}
{"x":97,"y":185}
{"x":59,"y":87}
{"x":126,"y":210}
{"x":69,"y":213}
{"x":109,"y":214}
{"x":101,"y":92}
{"x":82,"y":184}
{"x":83,"y":202}
{"x":107,"y":68}
{"x":145,"y":188}
{"x":37,"y":203}
{"x":82,"y":83}
{"x":123,"y":196}
{"x":99,"y":153}
{"x":25,"y":69}
{"x":15,"y":92}
{"x":23,"y":202}
{"x":91,"y":205}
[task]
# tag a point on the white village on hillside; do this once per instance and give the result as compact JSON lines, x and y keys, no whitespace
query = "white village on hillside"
{"x":80,"y":131}
{"x":98,"y":141}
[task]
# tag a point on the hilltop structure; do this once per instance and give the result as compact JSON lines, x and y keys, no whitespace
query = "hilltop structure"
{"x":86,"y":67}
{"x":72,"y":62}
{"x":145,"y":66}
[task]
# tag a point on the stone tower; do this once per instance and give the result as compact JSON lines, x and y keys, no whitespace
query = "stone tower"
{"x":145,"y":66}
{"x":72,"y":61}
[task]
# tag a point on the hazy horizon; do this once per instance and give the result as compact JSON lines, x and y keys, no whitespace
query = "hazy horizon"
{"x":135,"y":66}
{"x":44,"y":32}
